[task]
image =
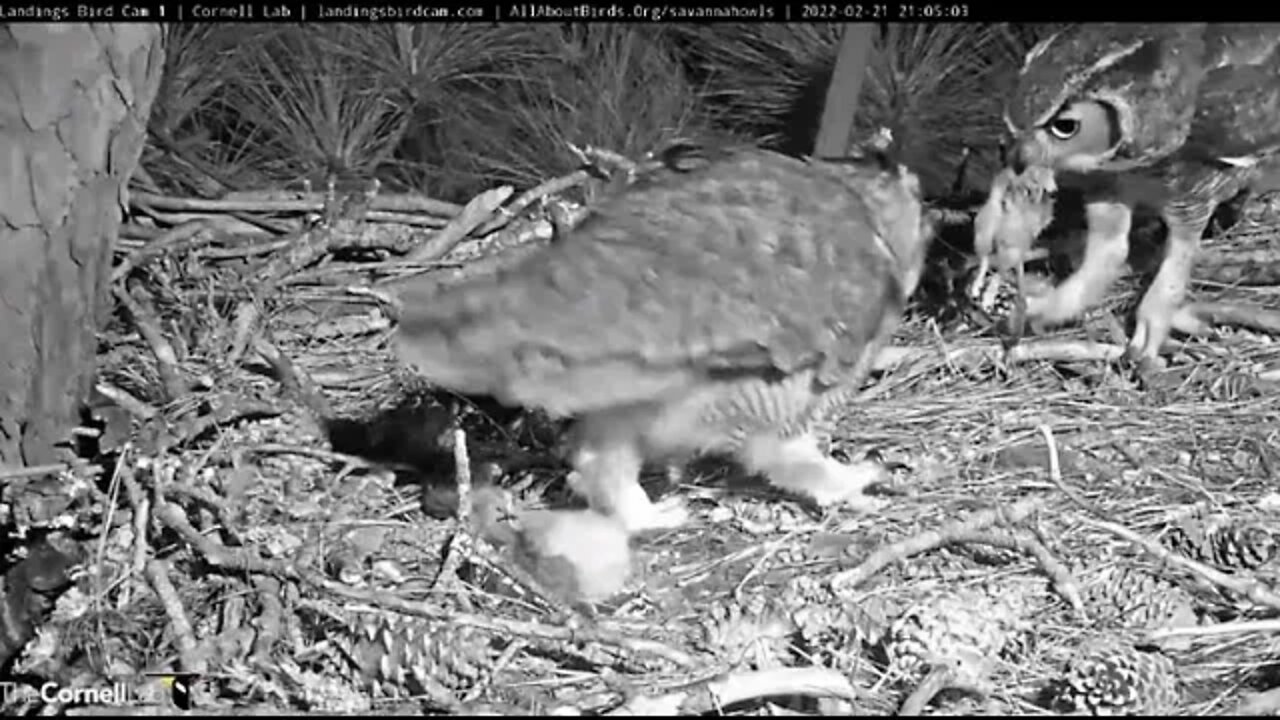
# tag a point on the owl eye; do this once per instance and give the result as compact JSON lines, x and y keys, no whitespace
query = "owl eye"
{"x":1064,"y":128}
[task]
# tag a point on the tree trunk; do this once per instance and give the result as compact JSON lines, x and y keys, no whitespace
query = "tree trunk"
{"x":842,"y":95}
{"x":74,"y":103}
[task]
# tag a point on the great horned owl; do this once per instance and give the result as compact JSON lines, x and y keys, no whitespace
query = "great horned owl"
{"x":1178,"y":116}
{"x":723,"y":307}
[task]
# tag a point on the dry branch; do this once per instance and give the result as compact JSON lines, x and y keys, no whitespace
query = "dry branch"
{"x":295,"y":381}
{"x":480,"y":209}
{"x":288,"y":202}
{"x":180,"y":239}
{"x":884,"y":556}
{"x":555,"y":186}
{"x":712,"y":696}
{"x":504,"y":626}
{"x":1243,"y":315}
{"x":1249,"y":588}
{"x":148,"y":324}
{"x":979,"y":353}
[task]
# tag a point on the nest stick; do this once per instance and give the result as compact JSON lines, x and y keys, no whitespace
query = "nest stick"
{"x":887,"y":555}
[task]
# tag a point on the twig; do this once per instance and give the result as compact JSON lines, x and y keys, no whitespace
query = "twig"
{"x":285,"y":202}
{"x":502,"y":626}
{"x":508,"y":654}
{"x":327,"y":456}
{"x":941,"y":676}
{"x":1249,"y":588}
{"x":887,"y":555}
{"x":246,"y":318}
{"x":396,"y":218}
{"x":480,"y":209}
{"x":244,"y":559}
{"x":270,"y":622}
{"x":459,"y":543}
{"x":294,"y":379}
{"x":1055,"y":474}
{"x":205,"y":496}
{"x":1245,"y":627}
{"x":184,"y":633}
{"x":1049,"y":350}
{"x":180,"y":239}
{"x":148,"y":325}
{"x":554,"y":186}
{"x":123,"y":399}
{"x":462,"y":473}
{"x":302,"y":250}
{"x":122,"y":468}
{"x":170,"y":433}
{"x":483,"y":266}
{"x":1063,"y":582}
{"x":141,"y":504}
{"x":1252,"y":317}
{"x":23,"y":473}
{"x":599,"y":157}
{"x":714,"y":694}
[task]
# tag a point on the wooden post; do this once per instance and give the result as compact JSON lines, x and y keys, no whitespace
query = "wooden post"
{"x":842,"y":94}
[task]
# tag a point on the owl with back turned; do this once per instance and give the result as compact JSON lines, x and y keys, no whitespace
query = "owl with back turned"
{"x":1178,"y":117}
{"x":726,"y":306}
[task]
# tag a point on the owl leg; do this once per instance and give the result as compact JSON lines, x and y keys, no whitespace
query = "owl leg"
{"x":979,"y":281}
{"x":606,"y":473}
{"x":1156,"y":313}
{"x":798,"y":465}
{"x":1106,"y":250}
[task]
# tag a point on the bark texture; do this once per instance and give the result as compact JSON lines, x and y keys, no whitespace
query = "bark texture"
{"x":74,"y":103}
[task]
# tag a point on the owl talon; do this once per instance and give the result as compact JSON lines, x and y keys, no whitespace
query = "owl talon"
{"x":797,"y":465}
{"x":1145,"y":365}
{"x":1155,"y":320}
{"x":847,"y":485}
{"x":666,"y":514}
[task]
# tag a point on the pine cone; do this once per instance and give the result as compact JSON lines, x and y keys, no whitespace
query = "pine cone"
{"x":757,"y":636}
{"x":967,"y":628}
{"x":397,"y":656}
{"x":1223,"y":541}
{"x":1135,"y":599}
{"x":834,"y":634}
{"x":1110,"y":678}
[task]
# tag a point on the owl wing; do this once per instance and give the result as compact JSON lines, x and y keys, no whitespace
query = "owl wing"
{"x":754,"y":264}
{"x":1237,"y":110}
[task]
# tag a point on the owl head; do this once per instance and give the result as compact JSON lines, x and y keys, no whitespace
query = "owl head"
{"x":1106,"y":97}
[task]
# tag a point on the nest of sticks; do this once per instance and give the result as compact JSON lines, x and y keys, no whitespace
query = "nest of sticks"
{"x":274,"y":504}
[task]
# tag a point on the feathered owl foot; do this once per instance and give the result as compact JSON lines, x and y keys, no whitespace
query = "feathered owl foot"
{"x":798,"y":465}
{"x":841,"y":484}
{"x":666,"y":514}
{"x":1151,"y":329}
{"x":621,"y":498}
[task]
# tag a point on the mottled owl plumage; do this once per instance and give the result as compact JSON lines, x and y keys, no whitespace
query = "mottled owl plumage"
{"x":1177,"y":116}
{"x":721,"y":307}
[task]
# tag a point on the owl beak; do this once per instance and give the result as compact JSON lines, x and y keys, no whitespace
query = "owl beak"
{"x":1026,"y":152}
{"x":1017,"y":162}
